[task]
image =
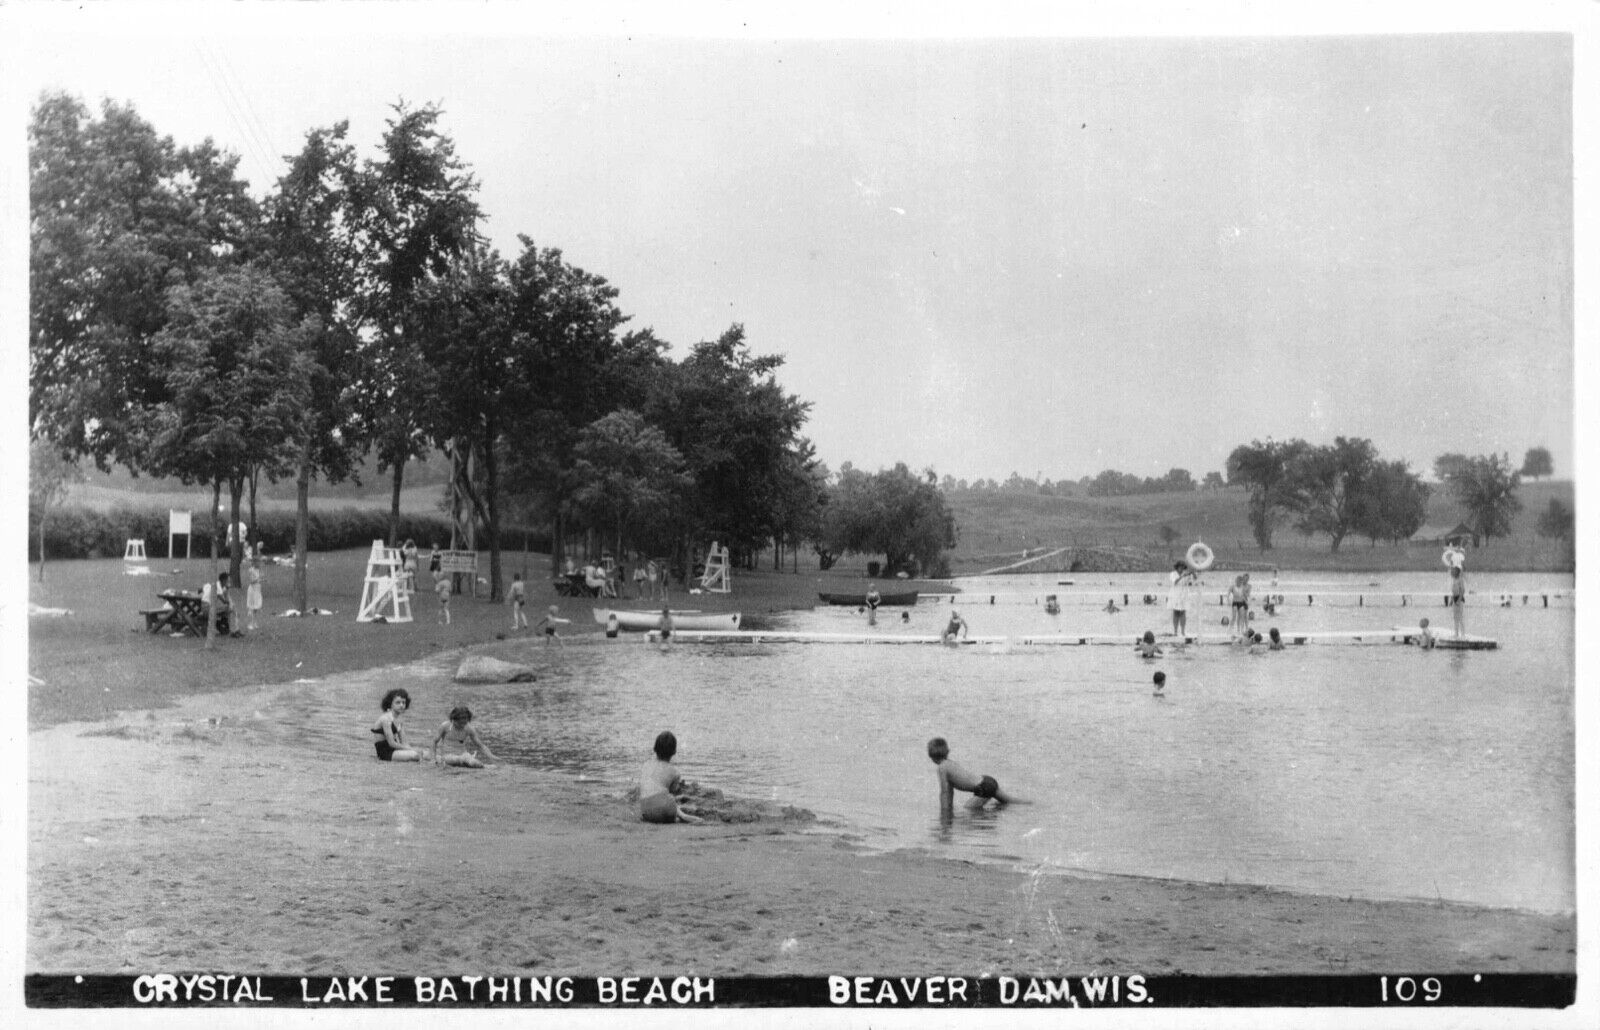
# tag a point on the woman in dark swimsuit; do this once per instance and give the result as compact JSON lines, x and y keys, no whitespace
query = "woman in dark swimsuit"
{"x":391,"y":745}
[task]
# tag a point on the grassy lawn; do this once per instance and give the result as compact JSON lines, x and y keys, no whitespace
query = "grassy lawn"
{"x":99,"y":659}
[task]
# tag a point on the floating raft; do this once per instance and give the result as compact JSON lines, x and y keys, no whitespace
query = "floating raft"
{"x":1393,"y":635}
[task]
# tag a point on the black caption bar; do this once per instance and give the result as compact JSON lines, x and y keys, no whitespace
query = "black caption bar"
{"x":233,"y":990}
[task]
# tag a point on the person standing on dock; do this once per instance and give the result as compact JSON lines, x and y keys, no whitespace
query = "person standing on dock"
{"x":1458,"y":599}
{"x":1178,"y":598}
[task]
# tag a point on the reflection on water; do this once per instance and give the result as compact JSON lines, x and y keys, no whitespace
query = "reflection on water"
{"x":1380,"y":771}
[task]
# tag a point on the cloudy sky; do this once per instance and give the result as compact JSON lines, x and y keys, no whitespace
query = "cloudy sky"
{"x":1048,"y":255}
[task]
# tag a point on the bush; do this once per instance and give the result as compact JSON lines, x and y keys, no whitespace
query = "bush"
{"x":77,"y":532}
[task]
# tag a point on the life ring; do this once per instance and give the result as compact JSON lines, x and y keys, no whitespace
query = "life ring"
{"x":1453,"y":557}
{"x":1200,"y":556}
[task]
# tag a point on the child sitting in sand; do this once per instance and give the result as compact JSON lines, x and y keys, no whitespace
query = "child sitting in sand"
{"x":458,"y":730}
{"x":954,"y":776}
{"x":549,"y":624}
{"x":659,"y":783}
{"x":1146,"y":646}
{"x":391,"y":742}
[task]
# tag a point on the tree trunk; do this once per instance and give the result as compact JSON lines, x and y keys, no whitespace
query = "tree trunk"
{"x":211,"y":613}
{"x":254,"y":536}
{"x":394,"y":502}
{"x":491,"y":488}
{"x":41,"y":546}
{"x":302,"y":532}
{"x":236,"y":549}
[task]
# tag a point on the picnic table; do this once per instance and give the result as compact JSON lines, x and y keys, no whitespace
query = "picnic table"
{"x":184,"y":612}
{"x":574,"y":585}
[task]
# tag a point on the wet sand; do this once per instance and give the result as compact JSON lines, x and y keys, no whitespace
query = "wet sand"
{"x":224,"y":835}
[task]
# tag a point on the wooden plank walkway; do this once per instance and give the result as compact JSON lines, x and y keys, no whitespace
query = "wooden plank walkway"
{"x":1392,"y":635}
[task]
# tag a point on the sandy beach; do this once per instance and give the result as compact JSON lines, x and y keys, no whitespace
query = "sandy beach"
{"x":225,"y":834}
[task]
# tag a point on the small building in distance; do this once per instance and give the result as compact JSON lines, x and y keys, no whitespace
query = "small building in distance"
{"x":1460,"y":535}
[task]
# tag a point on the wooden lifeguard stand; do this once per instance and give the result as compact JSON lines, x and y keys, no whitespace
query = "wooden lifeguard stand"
{"x":134,"y":551}
{"x":384,"y":593}
{"x":717,"y":577}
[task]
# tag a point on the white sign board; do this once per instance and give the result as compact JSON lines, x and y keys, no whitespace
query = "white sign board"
{"x":177,"y":522}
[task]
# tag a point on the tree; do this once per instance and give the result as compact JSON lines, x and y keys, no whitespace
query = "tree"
{"x":414,"y":214}
{"x":1487,"y":488}
{"x":1213,"y":481}
{"x":311,"y":250}
{"x":1393,"y":503}
{"x":237,"y":386}
{"x":1556,"y":521}
{"x":627,"y":476}
{"x":1264,"y":469}
{"x":1324,"y":486}
{"x":118,"y":215}
{"x":1536,"y":463}
{"x":50,"y":476}
{"x":1168,"y":537}
{"x":893,"y":513}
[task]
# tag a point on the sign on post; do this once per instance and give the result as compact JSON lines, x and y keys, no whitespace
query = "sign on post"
{"x":460,"y":563}
{"x":178,"y":525}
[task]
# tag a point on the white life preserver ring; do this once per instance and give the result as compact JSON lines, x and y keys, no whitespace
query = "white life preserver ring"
{"x":1453,"y":558}
{"x":1200,"y":556}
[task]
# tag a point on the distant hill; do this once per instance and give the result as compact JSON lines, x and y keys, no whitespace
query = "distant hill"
{"x":995,"y":527}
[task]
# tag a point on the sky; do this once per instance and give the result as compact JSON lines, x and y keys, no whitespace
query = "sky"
{"x":1031,"y":250}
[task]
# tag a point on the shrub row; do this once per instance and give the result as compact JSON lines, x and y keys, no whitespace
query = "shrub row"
{"x":77,"y":532}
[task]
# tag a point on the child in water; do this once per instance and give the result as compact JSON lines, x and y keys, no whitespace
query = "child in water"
{"x":659,"y":784}
{"x":1426,"y":639}
{"x":956,"y":627}
{"x":391,"y":743}
{"x":458,"y":730}
{"x":1277,"y":641}
{"x":954,"y":776}
{"x":1146,"y":646}
{"x":1160,"y":680}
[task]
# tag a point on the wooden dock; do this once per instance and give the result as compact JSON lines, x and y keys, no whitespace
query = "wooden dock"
{"x":1329,"y":598}
{"x":1392,"y":635}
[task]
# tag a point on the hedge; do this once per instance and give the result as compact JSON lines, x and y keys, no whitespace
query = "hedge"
{"x":78,"y":532}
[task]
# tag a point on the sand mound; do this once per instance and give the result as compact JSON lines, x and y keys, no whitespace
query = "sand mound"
{"x":483,"y":669}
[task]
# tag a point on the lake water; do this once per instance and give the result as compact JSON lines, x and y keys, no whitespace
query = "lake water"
{"x":1343,"y":769}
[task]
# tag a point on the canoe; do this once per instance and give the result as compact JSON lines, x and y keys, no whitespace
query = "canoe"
{"x":860,"y":600}
{"x":640,"y":622}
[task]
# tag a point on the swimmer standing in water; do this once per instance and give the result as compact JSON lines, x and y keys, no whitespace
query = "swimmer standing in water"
{"x":957,"y":626}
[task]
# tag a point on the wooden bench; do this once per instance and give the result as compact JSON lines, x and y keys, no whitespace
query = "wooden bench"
{"x":154,"y":618}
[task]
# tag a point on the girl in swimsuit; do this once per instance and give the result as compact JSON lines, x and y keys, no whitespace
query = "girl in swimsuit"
{"x":391,"y":745}
{"x":458,"y":730}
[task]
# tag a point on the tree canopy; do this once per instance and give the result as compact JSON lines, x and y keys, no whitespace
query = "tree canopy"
{"x":1486,"y":486}
{"x":893,"y":513}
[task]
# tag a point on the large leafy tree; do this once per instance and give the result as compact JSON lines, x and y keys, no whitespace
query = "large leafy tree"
{"x":237,"y":384}
{"x":118,"y":215}
{"x":414,"y":214}
{"x":565,"y":321}
{"x":1537,"y":463}
{"x":739,"y":433}
{"x":1556,"y":520}
{"x":627,"y":477}
{"x":1393,"y":503}
{"x":1325,"y":486}
{"x":1486,"y":486}
{"x":893,"y":513}
{"x":1263,"y":468}
{"x":312,"y":251}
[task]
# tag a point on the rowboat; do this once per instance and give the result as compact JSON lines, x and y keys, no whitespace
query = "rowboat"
{"x":641,"y":622}
{"x":860,"y":600}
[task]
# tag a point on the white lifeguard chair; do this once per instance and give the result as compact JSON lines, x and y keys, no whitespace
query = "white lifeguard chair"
{"x":133,"y":551}
{"x":384,"y":593}
{"x":717,"y":577}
